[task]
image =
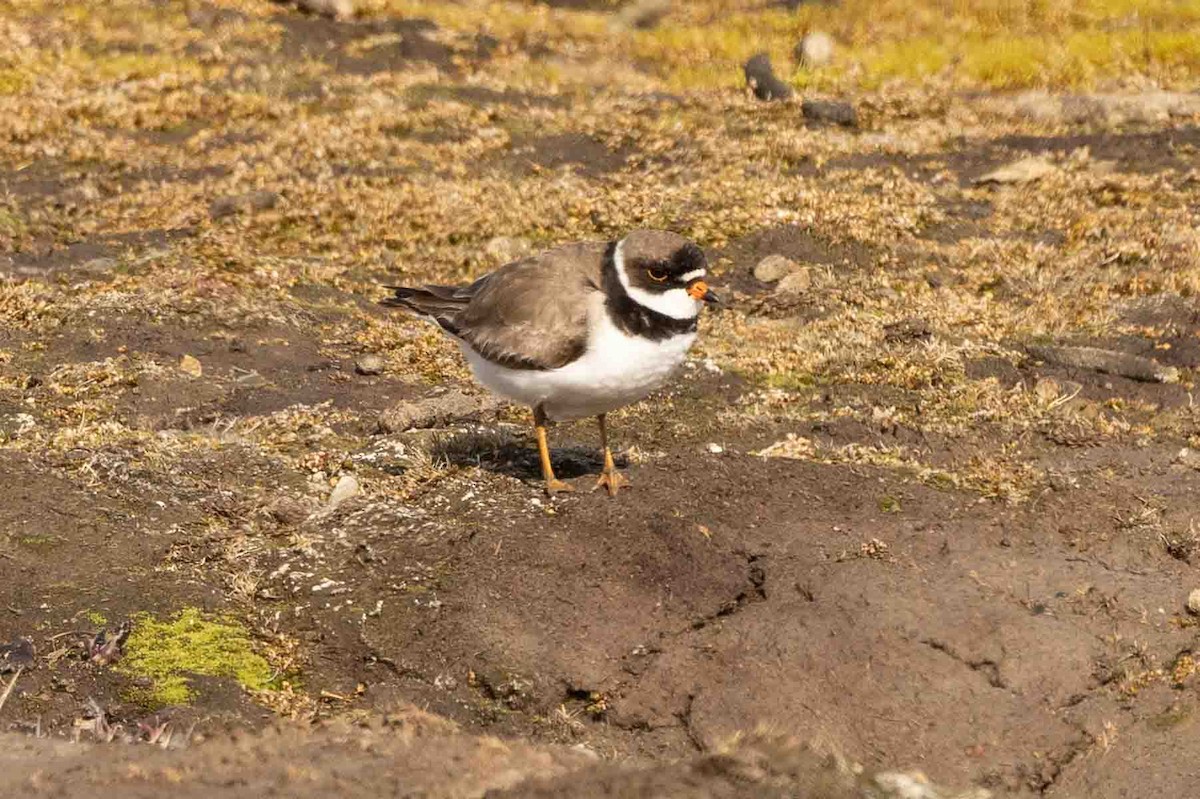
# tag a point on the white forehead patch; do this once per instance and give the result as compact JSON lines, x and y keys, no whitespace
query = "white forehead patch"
{"x":688,"y":277}
{"x":675,"y":303}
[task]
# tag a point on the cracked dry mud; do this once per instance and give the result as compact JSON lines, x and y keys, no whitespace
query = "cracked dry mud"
{"x":868,"y":520}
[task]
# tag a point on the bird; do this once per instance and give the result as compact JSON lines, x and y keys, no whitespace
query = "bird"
{"x":576,"y":331}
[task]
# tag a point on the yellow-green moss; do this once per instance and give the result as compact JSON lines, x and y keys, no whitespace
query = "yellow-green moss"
{"x":13,"y":81}
{"x":168,"y":652}
{"x":916,"y":58}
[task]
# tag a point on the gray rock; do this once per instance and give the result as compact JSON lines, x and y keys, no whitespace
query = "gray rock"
{"x":436,"y":411}
{"x":640,"y":14}
{"x":1105,"y":109}
{"x":224,"y":207}
{"x":830,"y":112}
{"x":1026,"y":170}
{"x":334,"y":9}
{"x":96,"y":266}
{"x":795,"y":283}
{"x":347,"y":486}
{"x":83,"y":194}
{"x":774,"y":268}
{"x":761,"y":79}
{"x":17,"y":654}
{"x":1193,"y":602}
{"x":292,"y":511}
{"x":815,"y":50}
{"x":1108,"y":362}
{"x":369,"y":365}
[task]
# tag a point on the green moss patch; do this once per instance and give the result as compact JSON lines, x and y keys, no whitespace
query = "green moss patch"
{"x":170,"y":652}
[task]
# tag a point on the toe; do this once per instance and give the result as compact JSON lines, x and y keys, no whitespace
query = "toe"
{"x":613,"y":481}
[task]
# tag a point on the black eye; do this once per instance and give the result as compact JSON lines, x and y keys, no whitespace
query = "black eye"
{"x":657,"y":275}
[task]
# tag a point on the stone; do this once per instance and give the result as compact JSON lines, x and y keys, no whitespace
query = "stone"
{"x":333,"y":9}
{"x":640,"y":15}
{"x":506,"y":249}
{"x":795,"y":283}
{"x":236,"y":205}
{"x":190,"y":365}
{"x":909,"y":329}
{"x":774,"y":268}
{"x":436,"y":411}
{"x":830,"y":112}
{"x":815,"y":50}
{"x":1026,"y":170}
{"x":1047,"y":389}
{"x":1193,"y":602}
{"x":347,"y":486}
{"x":761,"y":79}
{"x":289,"y":510}
{"x":369,"y":365}
{"x":1108,"y":362}
{"x":84,"y":194}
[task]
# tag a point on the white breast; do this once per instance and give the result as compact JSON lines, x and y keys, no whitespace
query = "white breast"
{"x":616,"y":370}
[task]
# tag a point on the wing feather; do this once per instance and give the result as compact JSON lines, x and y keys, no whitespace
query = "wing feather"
{"x":530,"y":314}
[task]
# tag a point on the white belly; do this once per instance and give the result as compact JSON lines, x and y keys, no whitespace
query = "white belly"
{"x":616,"y":370}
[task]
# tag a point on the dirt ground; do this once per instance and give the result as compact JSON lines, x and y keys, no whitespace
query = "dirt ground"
{"x":896,"y":511}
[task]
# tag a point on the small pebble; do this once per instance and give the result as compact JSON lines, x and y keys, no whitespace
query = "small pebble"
{"x":1026,"y":170}
{"x":334,"y":9}
{"x":815,"y":50}
{"x":715,"y":449}
{"x":830,"y":112}
{"x":1193,"y":602}
{"x":640,"y":15}
{"x":369,"y":365}
{"x":347,"y":486}
{"x":235,"y":205}
{"x":773,"y":268}
{"x":795,"y":284}
{"x":190,"y":365}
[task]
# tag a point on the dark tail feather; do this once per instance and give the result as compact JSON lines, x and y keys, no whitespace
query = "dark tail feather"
{"x":437,"y":302}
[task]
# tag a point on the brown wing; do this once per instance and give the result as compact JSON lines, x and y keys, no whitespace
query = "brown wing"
{"x":533,"y":314}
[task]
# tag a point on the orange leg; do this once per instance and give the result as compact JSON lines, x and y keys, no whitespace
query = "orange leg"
{"x":610,"y":478}
{"x":553,"y":484}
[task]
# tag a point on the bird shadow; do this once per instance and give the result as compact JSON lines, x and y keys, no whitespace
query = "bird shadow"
{"x":503,"y":453}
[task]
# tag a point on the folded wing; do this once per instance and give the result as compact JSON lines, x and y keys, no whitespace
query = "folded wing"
{"x":531,"y":314}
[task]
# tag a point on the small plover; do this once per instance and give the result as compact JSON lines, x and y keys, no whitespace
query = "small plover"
{"x":576,"y":331}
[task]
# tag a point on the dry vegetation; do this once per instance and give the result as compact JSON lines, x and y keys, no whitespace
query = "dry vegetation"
{"x":198,"y":202}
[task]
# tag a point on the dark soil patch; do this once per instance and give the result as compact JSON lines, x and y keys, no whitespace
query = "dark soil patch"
{"x":1148,"y":152}
{"x":247,"y":372}
{"x":481,"y":96}
{"x":74,"y":555}
{"x":567,"y":150}
{"x":965,"y":219}
{"x":799,"y":244}
{"x":327,"y":40}
{"x":802,"y":245}
{"x":633,"y":614}
{"x":1144,"y":153}
{"x":91,"y":259}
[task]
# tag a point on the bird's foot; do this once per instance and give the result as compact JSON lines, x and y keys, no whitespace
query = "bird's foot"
{"x":556,"y":486}
{"x":612,"y":480}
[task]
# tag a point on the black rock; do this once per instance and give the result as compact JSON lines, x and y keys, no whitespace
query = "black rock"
{"x":830,"y":112}
{"x":762,"y":80}
{"x":18,"y":654}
